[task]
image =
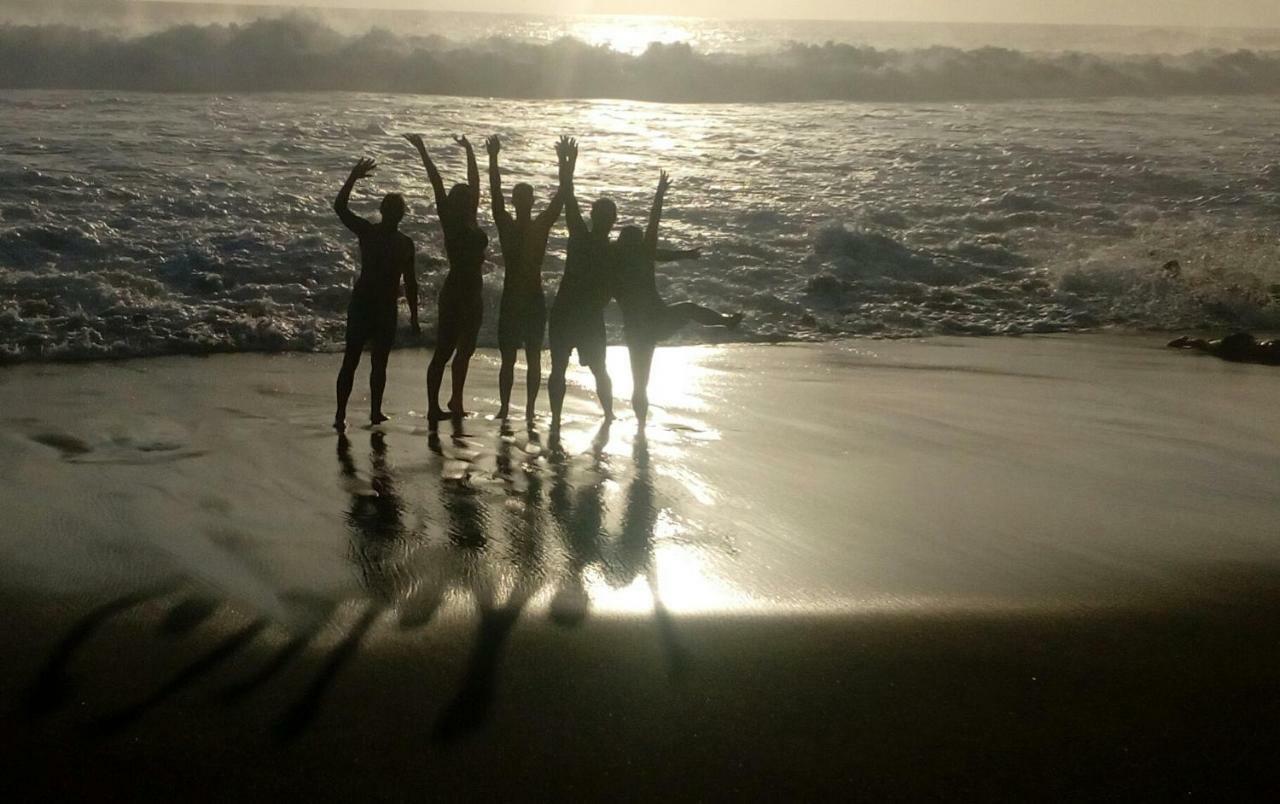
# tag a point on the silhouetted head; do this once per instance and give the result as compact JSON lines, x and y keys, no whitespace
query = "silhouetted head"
{"x":604,"y":214}
{"x":460,"y":199}
{"x":630,"y":237}
{"x":522,"y":198}
{"x":630,"y":245}
{"x":392,"y":209}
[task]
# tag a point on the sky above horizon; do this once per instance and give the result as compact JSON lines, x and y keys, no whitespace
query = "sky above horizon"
{"x":1244,"y":13}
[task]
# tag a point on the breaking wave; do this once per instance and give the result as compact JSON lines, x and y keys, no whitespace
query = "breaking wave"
{"x":299,"y":53}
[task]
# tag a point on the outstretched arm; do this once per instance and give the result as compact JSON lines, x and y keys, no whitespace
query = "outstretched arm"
{"x":411,"y":291}
{"x":341,"y":204}
{"x":567,"y":151}
{"x":676,"y":254}
{"x":655,"y":214}
{"x":493,"y":145}
{"x":473,"y":172}
{"x":437,"y":184}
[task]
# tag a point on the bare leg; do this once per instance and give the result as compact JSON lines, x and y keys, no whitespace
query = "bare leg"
{"x":533,"y":360}
{"x":604,"y":387}
{"x":461,"y":363}
{"x":378,"y":382}
{"x":435,"y":376}
{"x":641,"y":361}
{"x":556,"y":385}
{"x":506,"y":379}
{"x":346,"y":381}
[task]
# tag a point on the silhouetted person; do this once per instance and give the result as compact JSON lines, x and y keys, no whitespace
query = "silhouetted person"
{"x":461,"y":300}
{"x":647,"y":319}
{"x":386,"y":256}
{"x":522,"y":319}
{"x":1238,"y":347}
{"x":577,"y":314}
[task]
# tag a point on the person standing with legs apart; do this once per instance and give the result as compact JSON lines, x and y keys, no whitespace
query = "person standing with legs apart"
{"x":577,"y":314}
{"x":647,"y":319}
{"x":461,"y":299}
{"x":522,"y":319}
{"x":386,"y":256}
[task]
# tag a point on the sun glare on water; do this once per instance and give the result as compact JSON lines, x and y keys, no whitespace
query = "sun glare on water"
{"x":630,"y":34}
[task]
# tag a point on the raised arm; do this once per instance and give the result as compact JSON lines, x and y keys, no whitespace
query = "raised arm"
{"x":500,"y":216}
{"x":437,"y":184}
{"x":411,"y":290}
{"x":341,"y":204}
{"x":567,"y":151}
{"x":548,"y":217}
{"x":473,"y":172}
{"x":551,"y":214}
{"x":655,"y":214}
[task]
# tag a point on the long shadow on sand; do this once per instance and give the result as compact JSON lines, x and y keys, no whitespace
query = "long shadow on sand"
{"x":494,"y":541}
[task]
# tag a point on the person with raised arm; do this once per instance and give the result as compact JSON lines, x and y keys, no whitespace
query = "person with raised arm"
{"x":522,"y":317}
{"x":461,"y":300}
{"x":577,"y":313}
{"x":646,"y":318}
{"x":386,"y":258}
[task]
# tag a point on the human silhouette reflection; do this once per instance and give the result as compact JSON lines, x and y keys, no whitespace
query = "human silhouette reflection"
{"x":374,"y":518}
{"x":635,"y":553}
{"x":520,"y":568}
{"x":580,"y":516}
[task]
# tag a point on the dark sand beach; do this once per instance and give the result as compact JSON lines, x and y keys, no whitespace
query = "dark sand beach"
{"x":1019,"y":569}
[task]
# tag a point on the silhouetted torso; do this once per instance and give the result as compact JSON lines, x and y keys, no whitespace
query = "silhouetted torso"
{"x":385,"y":256}
{"x":465,"y":247}
{"x":635,"y":286}
{"x":524,"y":247}
{"x":586,"y":284}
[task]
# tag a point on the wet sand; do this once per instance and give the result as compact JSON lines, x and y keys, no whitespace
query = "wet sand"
{"x":1023,"y":568}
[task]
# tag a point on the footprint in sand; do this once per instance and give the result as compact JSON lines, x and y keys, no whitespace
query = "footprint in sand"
{"x":119,"y":450}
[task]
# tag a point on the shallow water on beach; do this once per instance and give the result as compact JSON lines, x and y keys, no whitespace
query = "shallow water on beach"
{"x":937,"y":475}
{"x":137,"y":224}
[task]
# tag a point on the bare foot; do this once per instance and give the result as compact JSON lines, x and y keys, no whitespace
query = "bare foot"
{"x":340,"y":425}
{"x":378,"y":418}
{"x":435,"y":414}
{"x":456,"y":411}
{"x":732,"y":321}
{"x":503,"y":414}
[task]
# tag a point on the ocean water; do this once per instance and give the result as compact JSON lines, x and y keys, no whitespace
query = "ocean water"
{"x":137,"y":223}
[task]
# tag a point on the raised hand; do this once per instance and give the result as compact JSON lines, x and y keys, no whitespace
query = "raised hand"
{"x":493,"y":145}
{"x":664,"y":183}
{"x":416,"y":140}
{"x":462,"y":140}
{"x":567,"y":152}
{"x":568,"y":148}
{"x":363,"y":168}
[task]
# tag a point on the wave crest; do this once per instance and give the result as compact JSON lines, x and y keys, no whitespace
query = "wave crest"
{"x":298,"y":53}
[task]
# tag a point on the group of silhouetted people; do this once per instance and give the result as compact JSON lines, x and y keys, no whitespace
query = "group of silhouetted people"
{"x":596,"y":271}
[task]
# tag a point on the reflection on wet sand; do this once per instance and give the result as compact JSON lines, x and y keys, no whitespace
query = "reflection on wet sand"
{"x":486,"y":522}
